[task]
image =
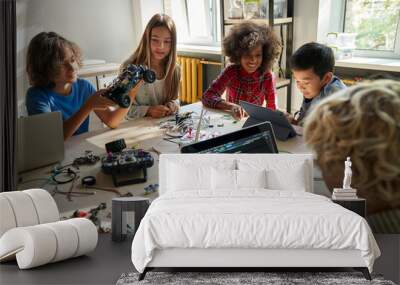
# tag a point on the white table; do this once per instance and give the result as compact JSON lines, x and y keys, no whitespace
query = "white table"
{"x":144,"y":133}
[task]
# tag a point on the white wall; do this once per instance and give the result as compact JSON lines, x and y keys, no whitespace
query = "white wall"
{"x":104,"y":29}
{"x":330,"y":18}
{"x":149,"y":8}
{"x":305,"y":30}
{"x":142,"y":12}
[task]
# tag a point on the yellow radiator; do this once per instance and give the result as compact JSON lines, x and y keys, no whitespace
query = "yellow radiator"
{"x":191,"y":80}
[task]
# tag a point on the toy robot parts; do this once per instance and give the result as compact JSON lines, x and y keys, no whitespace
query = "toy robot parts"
{"x":119,"y":89}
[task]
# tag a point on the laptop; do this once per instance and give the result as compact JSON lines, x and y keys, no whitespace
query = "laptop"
{"x":282,"y":128}
{"x":40,"y":141}
{"x":254,"y":139}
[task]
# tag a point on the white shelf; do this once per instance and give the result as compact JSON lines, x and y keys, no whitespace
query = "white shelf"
{"x":98,"y":69}
{"x":277,"y":21}
{"x":280,"y":21}
{"x":382,"y":64}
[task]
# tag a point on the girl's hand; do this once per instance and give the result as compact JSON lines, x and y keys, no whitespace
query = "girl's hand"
{"x":158,"y":111}
{"x":237,"y":111}
{"x":98,"y":102}
{"x":172,"y":106}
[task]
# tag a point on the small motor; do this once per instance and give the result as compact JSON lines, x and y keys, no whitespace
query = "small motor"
{"x":119,"y":89}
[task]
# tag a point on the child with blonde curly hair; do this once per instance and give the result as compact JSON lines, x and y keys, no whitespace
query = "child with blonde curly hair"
{"x":363,"y":123}
{"x":252,"y":49}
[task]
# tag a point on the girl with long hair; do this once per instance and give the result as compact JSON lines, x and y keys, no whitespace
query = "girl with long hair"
{"x":157,"y":50}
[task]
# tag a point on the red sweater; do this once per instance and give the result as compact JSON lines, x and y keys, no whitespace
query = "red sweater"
{"x":240,"y":85}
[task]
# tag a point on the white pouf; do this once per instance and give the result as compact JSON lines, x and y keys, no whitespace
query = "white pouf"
{"x":7,"y":218}
{"x":23,"y":208}
{"x":46,"y":207}
{"x":31,"y":232}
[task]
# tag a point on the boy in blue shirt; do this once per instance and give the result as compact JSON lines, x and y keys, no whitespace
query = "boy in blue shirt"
{"x":312,"y":67}
{"x":52,"y":66}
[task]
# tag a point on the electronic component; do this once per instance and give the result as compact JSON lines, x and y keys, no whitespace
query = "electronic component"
{"x":127,"y":162}
{"x":115,"y":146}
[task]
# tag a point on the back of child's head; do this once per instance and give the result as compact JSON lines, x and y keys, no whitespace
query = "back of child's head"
{"x":313,"y":55}
{"x":247,"y":35}
{"x":46,"y":53}
{"x":362,"y":122}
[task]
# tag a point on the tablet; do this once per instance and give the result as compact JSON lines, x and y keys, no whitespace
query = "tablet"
{"x":282,"y":128}
{"x":254,"y":139}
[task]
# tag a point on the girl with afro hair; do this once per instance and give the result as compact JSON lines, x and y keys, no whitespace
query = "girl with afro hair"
{"x":252,"y":49}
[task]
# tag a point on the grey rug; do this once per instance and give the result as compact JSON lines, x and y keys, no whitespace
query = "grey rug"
{"x":270,"y":278}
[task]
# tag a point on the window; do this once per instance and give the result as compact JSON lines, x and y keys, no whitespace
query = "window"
{"x":376,"y":23}
{"x":196,"y":21}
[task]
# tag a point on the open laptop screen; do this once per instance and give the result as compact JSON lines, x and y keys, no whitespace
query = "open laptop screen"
{"x":255,"y":139}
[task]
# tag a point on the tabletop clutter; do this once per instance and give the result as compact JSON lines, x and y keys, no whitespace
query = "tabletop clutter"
{"x":69,"y":179}
{"x":188,"y":127}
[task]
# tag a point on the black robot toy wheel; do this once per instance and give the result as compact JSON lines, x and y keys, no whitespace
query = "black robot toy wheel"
{"x":149,"y":76}
{"x":124,"y":101}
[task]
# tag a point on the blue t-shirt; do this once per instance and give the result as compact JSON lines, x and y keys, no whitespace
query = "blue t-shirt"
{"x":43,"y":100}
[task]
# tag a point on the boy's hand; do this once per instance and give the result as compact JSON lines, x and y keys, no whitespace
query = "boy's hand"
{"x":98,"y":102}
{"x":158,"y":111}
{"x":290,"y":118}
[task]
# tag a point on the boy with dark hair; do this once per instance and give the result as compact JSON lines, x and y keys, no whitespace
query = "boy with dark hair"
{"x":312,"y":66}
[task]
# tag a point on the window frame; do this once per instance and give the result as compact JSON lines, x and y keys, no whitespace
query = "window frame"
{"x":214,"y":27}
{"x":373,"y":53}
